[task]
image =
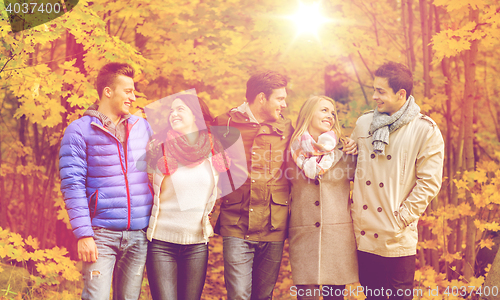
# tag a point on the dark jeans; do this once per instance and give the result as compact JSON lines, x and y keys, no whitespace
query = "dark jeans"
{"x":176,"y":271}
{"x":312,"y":292}
{"x":386,"y":276}
{"x":250,"y":268}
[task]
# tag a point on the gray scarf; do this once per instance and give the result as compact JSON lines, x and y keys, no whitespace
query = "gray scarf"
{"x":383,"y":124}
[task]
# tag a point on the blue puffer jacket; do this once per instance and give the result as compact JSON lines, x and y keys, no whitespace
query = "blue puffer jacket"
{"x":102,"y":184}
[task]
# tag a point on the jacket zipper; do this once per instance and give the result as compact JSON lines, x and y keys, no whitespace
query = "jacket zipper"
{"x":124,"y":169}
{"x":95,"y":204}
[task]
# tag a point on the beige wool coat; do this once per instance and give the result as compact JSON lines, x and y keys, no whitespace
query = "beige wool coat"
{"x":392,"y":191}
{"x":321,"y":235}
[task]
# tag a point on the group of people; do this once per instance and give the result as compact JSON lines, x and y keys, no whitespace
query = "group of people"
{"x":291,"y":183}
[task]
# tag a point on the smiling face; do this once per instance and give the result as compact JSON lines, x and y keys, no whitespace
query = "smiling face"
{"x":122,"y":96}
{"x":322,"y":120}
{"x":182,"y":118}
{"x":387,"y":101}
{"x":272,"y":107}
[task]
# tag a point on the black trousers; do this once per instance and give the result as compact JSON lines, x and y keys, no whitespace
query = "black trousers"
{"x":386,"y":277}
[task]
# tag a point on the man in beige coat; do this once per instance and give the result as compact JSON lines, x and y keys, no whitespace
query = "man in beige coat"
{"x":399,"y":172}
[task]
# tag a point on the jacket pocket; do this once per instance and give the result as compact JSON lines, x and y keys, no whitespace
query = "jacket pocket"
{"x":231,"y":207}
{"x":93,"y":203}
{"x":279,"y":207}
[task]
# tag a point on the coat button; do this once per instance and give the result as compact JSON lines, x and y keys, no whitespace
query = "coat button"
{"x":372,"y":156}
{"x":251,"y":209}
{"x":396,"y":213}
{"x":362,"y":232}
{"x":375,"y":235}
{"x":379,"y":209}
{"x":368,"y":182}
{"x":316,"y":182}
{"x":317,"y":224}
{"x":381,"y":184}
{"x":365,"y":207}
{"x":253,"y":180}
{"x":389,"y":157}
{"x":316,"y":203}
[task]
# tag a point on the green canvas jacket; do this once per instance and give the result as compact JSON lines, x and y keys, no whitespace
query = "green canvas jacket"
{"x":258,"y":210}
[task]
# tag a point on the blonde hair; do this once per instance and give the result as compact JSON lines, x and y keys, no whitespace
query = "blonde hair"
{"x":306,"y":114}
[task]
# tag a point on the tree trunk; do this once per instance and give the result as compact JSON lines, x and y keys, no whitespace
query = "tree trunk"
{"x":450,"y":170}
{"x":64,"y":236}
{"x":470,"y":58}
{"x":3,"y":200}
{"x":425,"y":27}
{"x":411,"y":18}
{"x":492,"y":279}
{"x":24,"y":178}
{"x":405,"y":32}
{"x":424,"y":20}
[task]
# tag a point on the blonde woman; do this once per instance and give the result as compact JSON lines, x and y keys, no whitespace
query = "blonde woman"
{"x":321,"y":235}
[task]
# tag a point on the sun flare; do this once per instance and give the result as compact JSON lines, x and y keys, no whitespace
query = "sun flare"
{"x":308,"y":18}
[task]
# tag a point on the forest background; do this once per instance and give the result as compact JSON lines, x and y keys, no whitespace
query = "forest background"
{"x":47,"y":75}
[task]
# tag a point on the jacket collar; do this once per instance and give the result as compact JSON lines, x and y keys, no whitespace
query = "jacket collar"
{"x":243,"y":114}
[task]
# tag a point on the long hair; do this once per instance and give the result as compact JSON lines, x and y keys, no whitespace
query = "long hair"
{"x":203,"y":120}
{"x":306,"y":114}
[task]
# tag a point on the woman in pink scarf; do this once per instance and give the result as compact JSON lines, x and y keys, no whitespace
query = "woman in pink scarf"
{"x":321,"y":236}
{"x":186,"y":168}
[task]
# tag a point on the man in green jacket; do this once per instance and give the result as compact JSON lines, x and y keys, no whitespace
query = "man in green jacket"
{"x":253,"y":218}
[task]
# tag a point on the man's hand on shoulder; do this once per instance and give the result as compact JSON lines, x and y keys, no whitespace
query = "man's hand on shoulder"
{"x":87,"y":249}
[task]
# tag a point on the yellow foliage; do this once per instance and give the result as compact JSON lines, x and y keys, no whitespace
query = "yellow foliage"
{"x":482,"y":226}
{"x":488,"y":166}
{"x":428,"y":244}
{"x":51,"y":264}
{"x":487,"y":270}
{"x":16,"y":239}
{"x":461,"y":184}
{"x":33,"y":242}
{"x":450,"y":257}
{"x":488,"y":243}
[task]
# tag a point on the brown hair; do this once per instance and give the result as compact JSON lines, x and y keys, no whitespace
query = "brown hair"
{"x":108,"y":74}
{"x":264,"y":82}
{"x":200,"y":110}
{"x":398,"y":76}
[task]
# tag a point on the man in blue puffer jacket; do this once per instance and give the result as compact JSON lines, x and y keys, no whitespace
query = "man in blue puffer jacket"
{"x":106,"y":189}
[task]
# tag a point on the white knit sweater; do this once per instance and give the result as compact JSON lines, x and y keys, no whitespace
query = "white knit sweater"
{"x":182,"y":203}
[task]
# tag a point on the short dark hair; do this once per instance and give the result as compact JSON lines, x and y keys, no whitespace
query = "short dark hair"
{"x":108,"y":74}
{"x":398,"y":76}
{"x":264,"y":82}
{"x":200,"y":110}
